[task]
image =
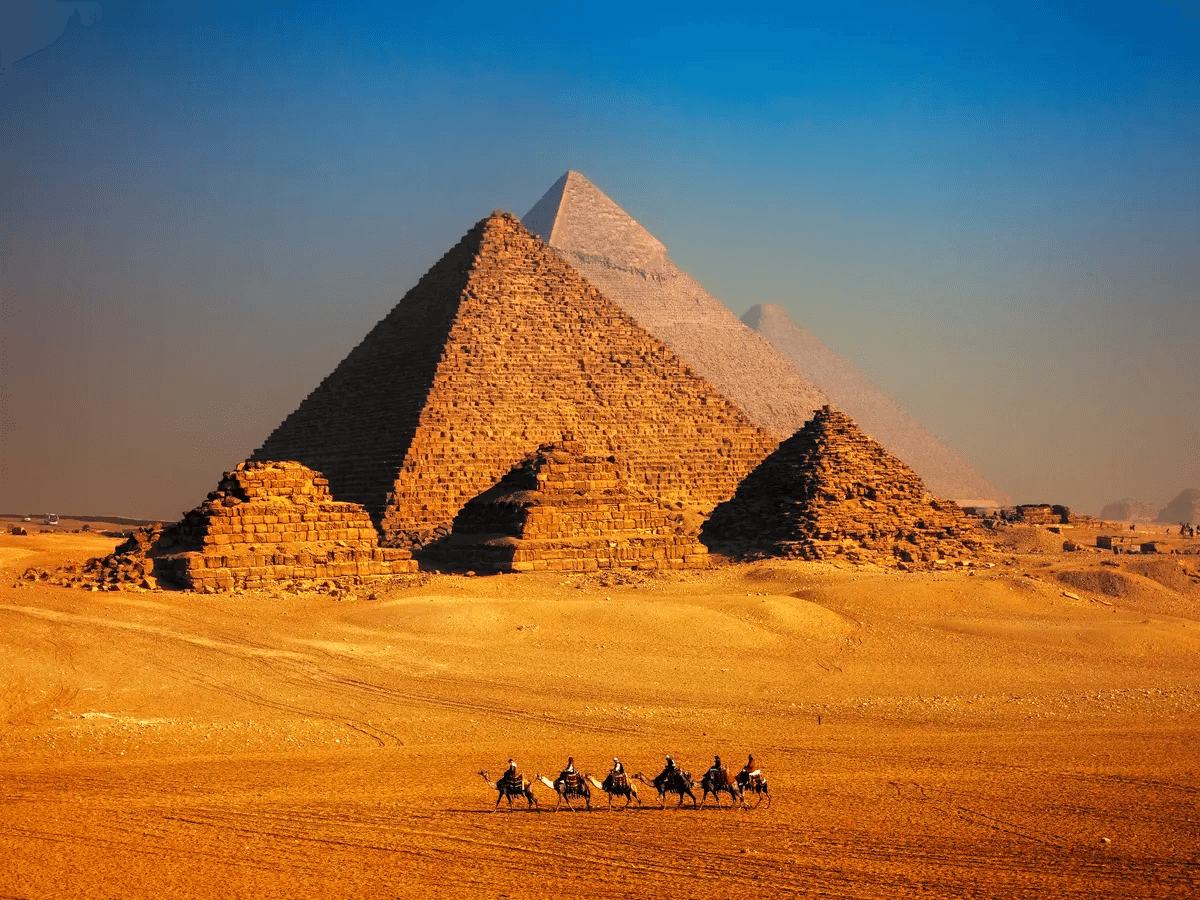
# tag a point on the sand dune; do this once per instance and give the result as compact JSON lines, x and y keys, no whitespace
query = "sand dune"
{"x":939,"y":734}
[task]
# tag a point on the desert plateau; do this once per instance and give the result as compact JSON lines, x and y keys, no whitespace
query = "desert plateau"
{"x":1026,"y":730}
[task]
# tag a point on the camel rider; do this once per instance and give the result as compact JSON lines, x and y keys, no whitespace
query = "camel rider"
{"x":717,"y":771}
{"x":617,"y":768}
{"x":569,"y":771}
{"x":670,"y":767}
{"x":750,"y":769}
{"x":511,"y":774}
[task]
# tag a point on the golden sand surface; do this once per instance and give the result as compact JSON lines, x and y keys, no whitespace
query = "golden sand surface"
{"x":1006,"y":733}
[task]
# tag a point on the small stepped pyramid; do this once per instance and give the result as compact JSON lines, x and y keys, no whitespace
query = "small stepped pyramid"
{"x":269,"y":522}
{"x":830,"y":491}
{"x":565,"y":510}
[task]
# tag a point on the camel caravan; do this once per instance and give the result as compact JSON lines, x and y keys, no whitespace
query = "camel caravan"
{"x":571,"y":784}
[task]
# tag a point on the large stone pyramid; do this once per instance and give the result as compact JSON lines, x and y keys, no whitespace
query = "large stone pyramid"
{"x":778,"y":381}
{"x":502,"y":347}
{"x":830,"y":491}
{"x":562,"y":509}
{"x":630,"y":266}
{"x":945,"y":472}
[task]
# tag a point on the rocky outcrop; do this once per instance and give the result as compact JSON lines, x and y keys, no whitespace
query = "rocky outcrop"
{"x":830,"y":492}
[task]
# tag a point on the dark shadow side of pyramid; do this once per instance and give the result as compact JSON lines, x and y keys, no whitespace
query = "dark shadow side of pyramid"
{"x":830,"y":491}
{"x":500,"y":348}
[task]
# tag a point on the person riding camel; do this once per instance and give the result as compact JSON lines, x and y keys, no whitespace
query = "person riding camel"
{"x":617,"y":768}
{"x":750,"y":769}
{"x":568,"y":775}
{"x":511,"y":774}
{"x":717,"y":771}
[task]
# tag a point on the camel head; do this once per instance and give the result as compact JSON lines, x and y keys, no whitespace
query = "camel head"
{"x":596,"y":784}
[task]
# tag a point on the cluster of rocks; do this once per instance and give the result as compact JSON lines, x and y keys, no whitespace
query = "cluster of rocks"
{"x":130,"y":564}
{"x":829,"y":492}
{"x":563,"y":509}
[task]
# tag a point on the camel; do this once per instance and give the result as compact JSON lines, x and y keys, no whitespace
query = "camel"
{"x":677,"y":782}
{"x":507,"y":789}
{"x":567,"y":787}
{"x":716,"y":782}
{"x":754,"y":783}
{"x":616,"y":786}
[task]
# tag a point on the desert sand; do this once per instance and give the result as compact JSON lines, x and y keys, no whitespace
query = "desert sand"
{"x":988,"y":733}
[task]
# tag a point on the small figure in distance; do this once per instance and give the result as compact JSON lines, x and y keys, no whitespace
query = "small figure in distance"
{"x":569,"y":770}
{"x":617,"y":768}
{"x":717,"y":770}
{"x":750,"y":768}
{"x":512,"y":775}
{"x":752,"y":781}
{"x":671,"y":780}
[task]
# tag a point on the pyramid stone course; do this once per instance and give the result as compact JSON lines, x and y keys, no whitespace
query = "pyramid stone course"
{"x":500,"y":348}
{"x":830,"y":491}
{"x":565,"y":509}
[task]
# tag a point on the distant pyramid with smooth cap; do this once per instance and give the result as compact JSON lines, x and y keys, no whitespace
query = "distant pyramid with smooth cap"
{"x":502,"y":347}
{"x":778,"y":375}
{"x":829,"y":492}
{"x":630,"y":266}
{"x":945,"y":472}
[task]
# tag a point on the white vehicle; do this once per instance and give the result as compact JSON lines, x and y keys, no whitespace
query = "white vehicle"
{"x":51,"y":519}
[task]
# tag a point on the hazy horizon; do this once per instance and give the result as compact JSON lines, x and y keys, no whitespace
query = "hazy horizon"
{"x":994,"y":213}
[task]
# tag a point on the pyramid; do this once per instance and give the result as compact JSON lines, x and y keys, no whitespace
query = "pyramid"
{"x":779,"y":376}
{"x":499,"y":348}
{"x":830,"y":491}
{"x":563,"y":509}
{"x":1184,"y":508}
{"x":630,"y":266}
{"x":267,"y":522}
{"x":945,"y":472}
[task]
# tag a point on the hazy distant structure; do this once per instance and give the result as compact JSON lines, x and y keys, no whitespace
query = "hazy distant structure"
{"x":945,"y":472}
{"x":630,"y":266}
{"x":500,"y":348}
{"x":778,"y":375}
{"x":1184,"y":508}
{"x":1129,"y":510}
{"x":828,"y":492}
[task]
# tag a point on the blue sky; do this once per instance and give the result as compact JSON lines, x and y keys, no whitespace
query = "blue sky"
{"x":993,"y":209}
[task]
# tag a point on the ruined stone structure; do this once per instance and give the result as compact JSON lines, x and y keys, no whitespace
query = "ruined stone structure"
{"x":564,"y":509}
{"x":500,"y":348}
{"x":945,"y":472}
{"x":272,"y":522}
{"x":830,"y":491}
{"x":631,"y":267}
{"x":778,"y":373}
